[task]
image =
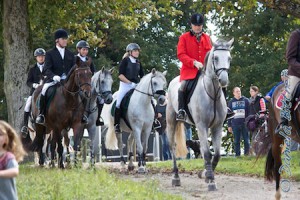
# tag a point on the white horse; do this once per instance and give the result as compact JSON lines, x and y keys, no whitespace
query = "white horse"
{"x":140,"y":115}
{"x":101,"y":88}
{"x":207,"y":107}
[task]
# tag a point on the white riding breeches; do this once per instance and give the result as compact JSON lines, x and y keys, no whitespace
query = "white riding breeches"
{"x":46,"y":86}
{"x":290,"y":87}
{"x":28,"y":104}
{"x":123,"y":89}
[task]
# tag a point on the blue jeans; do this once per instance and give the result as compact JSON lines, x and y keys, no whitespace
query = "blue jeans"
{"x":165,"y":147}
{"x":188,"y":136}
{"x":239,"y":131}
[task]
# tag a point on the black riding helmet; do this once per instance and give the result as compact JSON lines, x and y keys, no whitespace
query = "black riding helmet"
{"x":39,"y":52}
{"x":60,"y":33}
{"x":132,"y":46}
{"x":82,"y":44}
{"x":197,"y":19}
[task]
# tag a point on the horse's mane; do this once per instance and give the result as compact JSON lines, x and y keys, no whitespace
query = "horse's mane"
{"x":70,"y":72}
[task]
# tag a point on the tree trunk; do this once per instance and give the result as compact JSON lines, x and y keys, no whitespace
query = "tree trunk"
{"x":16,"y":58}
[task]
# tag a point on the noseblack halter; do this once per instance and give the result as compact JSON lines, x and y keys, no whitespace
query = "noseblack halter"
{"x":219,"y":71}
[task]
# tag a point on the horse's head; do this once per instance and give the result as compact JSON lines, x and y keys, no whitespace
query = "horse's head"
{"x":102,"y":82}
{"x":158,"y":84}
{"x":218,"y":61}
{"x":83,"y":76}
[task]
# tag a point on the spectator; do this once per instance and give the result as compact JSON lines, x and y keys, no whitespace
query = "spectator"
{"x":11,"y":151}
{"x":236,"y":125}
{"x":188,"y":136}
{"x":160,"y":114}
{"x":284,"y":77}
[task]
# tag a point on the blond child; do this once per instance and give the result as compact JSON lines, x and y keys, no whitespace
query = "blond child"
{"x":11,"y":152}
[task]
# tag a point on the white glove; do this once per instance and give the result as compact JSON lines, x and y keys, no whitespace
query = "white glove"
{"x":133,"y":84}
{"x":35,"y":85}
{"x":198,"y":65}
{"x":56,"y":78}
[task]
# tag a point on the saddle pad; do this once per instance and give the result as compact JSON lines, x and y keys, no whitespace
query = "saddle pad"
{"x":280,"y":99}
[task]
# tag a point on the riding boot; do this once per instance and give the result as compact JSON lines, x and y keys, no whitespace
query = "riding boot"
{"x":283,"y":122}
{"x":156,"y":124}
{"x":117,"y":120}
{"x":181,"y":115}
{"x":41,"y":117}
{"x":24,"y":129}
{"x":99,"y":121}
{"x":229,"y":114}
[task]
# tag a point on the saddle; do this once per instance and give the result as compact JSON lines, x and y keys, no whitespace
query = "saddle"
{"x":123,"y":107}
{"x":189,"y":90}
{"x":295,"y":104}
{"x":50,"y":93}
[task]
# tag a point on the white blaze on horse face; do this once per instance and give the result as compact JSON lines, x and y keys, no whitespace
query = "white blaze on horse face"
{"x":222,"y":61}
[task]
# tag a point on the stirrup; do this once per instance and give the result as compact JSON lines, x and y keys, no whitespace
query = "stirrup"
{"x":181,"y":115}
{"x":99,"y":122}
{"x":40,"y":119}
{"x":156,"y":124}
{"x":24,"y":131}
{"x":117,"y":129}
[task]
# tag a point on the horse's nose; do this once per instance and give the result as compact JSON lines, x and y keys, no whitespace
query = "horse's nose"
{"x":108,"y":99}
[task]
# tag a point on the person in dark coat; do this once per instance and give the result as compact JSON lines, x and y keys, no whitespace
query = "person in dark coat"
{"x":33,"y":81}
{"x":58,"y":63}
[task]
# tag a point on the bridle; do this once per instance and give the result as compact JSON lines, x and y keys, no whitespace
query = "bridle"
{"x":158,"y":92}
{"x":102,"y":94}
{"x":77,"y":81}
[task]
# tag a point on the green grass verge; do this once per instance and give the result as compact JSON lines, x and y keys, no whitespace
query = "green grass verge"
{"x":55,"y":184}
{"x":231,"y":165}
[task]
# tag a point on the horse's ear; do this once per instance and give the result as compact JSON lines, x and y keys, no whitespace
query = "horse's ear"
{"x":111,"y":70}
{"x":103,"y":68}
{"x":78,"y":60}
{"x":165,"y":73}
{"x":230,"y":42}
{"x":153,"y":71}
{"x":89,"y":61}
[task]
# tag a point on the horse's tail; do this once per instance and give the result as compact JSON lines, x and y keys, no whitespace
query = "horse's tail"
{"x":269,"y":168}
{"x":111,"y":141}
{"x":181,"y":149}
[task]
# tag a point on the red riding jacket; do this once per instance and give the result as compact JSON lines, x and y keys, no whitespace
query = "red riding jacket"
{"x":188,"y":50}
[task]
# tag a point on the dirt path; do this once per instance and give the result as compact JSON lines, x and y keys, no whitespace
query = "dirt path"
{"x":229,"y":187}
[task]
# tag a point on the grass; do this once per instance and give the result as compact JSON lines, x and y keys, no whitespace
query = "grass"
{"x":231,"y":165}
{"x":76,"y":184}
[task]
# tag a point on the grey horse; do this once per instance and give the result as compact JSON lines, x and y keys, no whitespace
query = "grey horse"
{"x":207,"y":107}
{"x":101,"y":88}
{"x":140,"y":115}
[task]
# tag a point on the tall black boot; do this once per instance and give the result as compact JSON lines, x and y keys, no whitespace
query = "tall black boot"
{"x":24,"y":129}
{"x":117,"y":120}
{"x":283,"y":122}
{"x":99,"y":121}
{"x":41,"y":118}
{"x":181,"y":116}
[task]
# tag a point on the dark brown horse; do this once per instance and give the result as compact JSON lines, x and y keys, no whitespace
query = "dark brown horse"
{"x":274,"y":163}
{"x":65,"y":110}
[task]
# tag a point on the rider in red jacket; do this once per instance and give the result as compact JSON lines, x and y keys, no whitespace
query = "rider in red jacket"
{"x":191,"y":50}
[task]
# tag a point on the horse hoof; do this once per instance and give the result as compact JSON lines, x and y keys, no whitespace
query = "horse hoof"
{"x":141,"y":170}
{"x":176,"y":182}
{"x":201,"y":174}
{"x":130,"y":167}
{"x":212,"y":187}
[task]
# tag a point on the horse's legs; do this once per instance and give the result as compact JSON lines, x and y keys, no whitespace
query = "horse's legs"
{"x":120,"y":146}
{"x":171,"y":125}
{"x":53,"y":149}
{"x":216,"y":141}
{"x":57,"y":138}
{"x":206,"y":154}
{"x":139,"y":148}
{"x":130,"y":155}
{"x":67,"y":145}
{"x":145,"y":138}
{"x":92,"y":132}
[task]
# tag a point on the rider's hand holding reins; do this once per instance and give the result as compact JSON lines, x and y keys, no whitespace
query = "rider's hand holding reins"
{"x":35,"y":85}
{"x":56,"y":78}
{"x":198,"y":65}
